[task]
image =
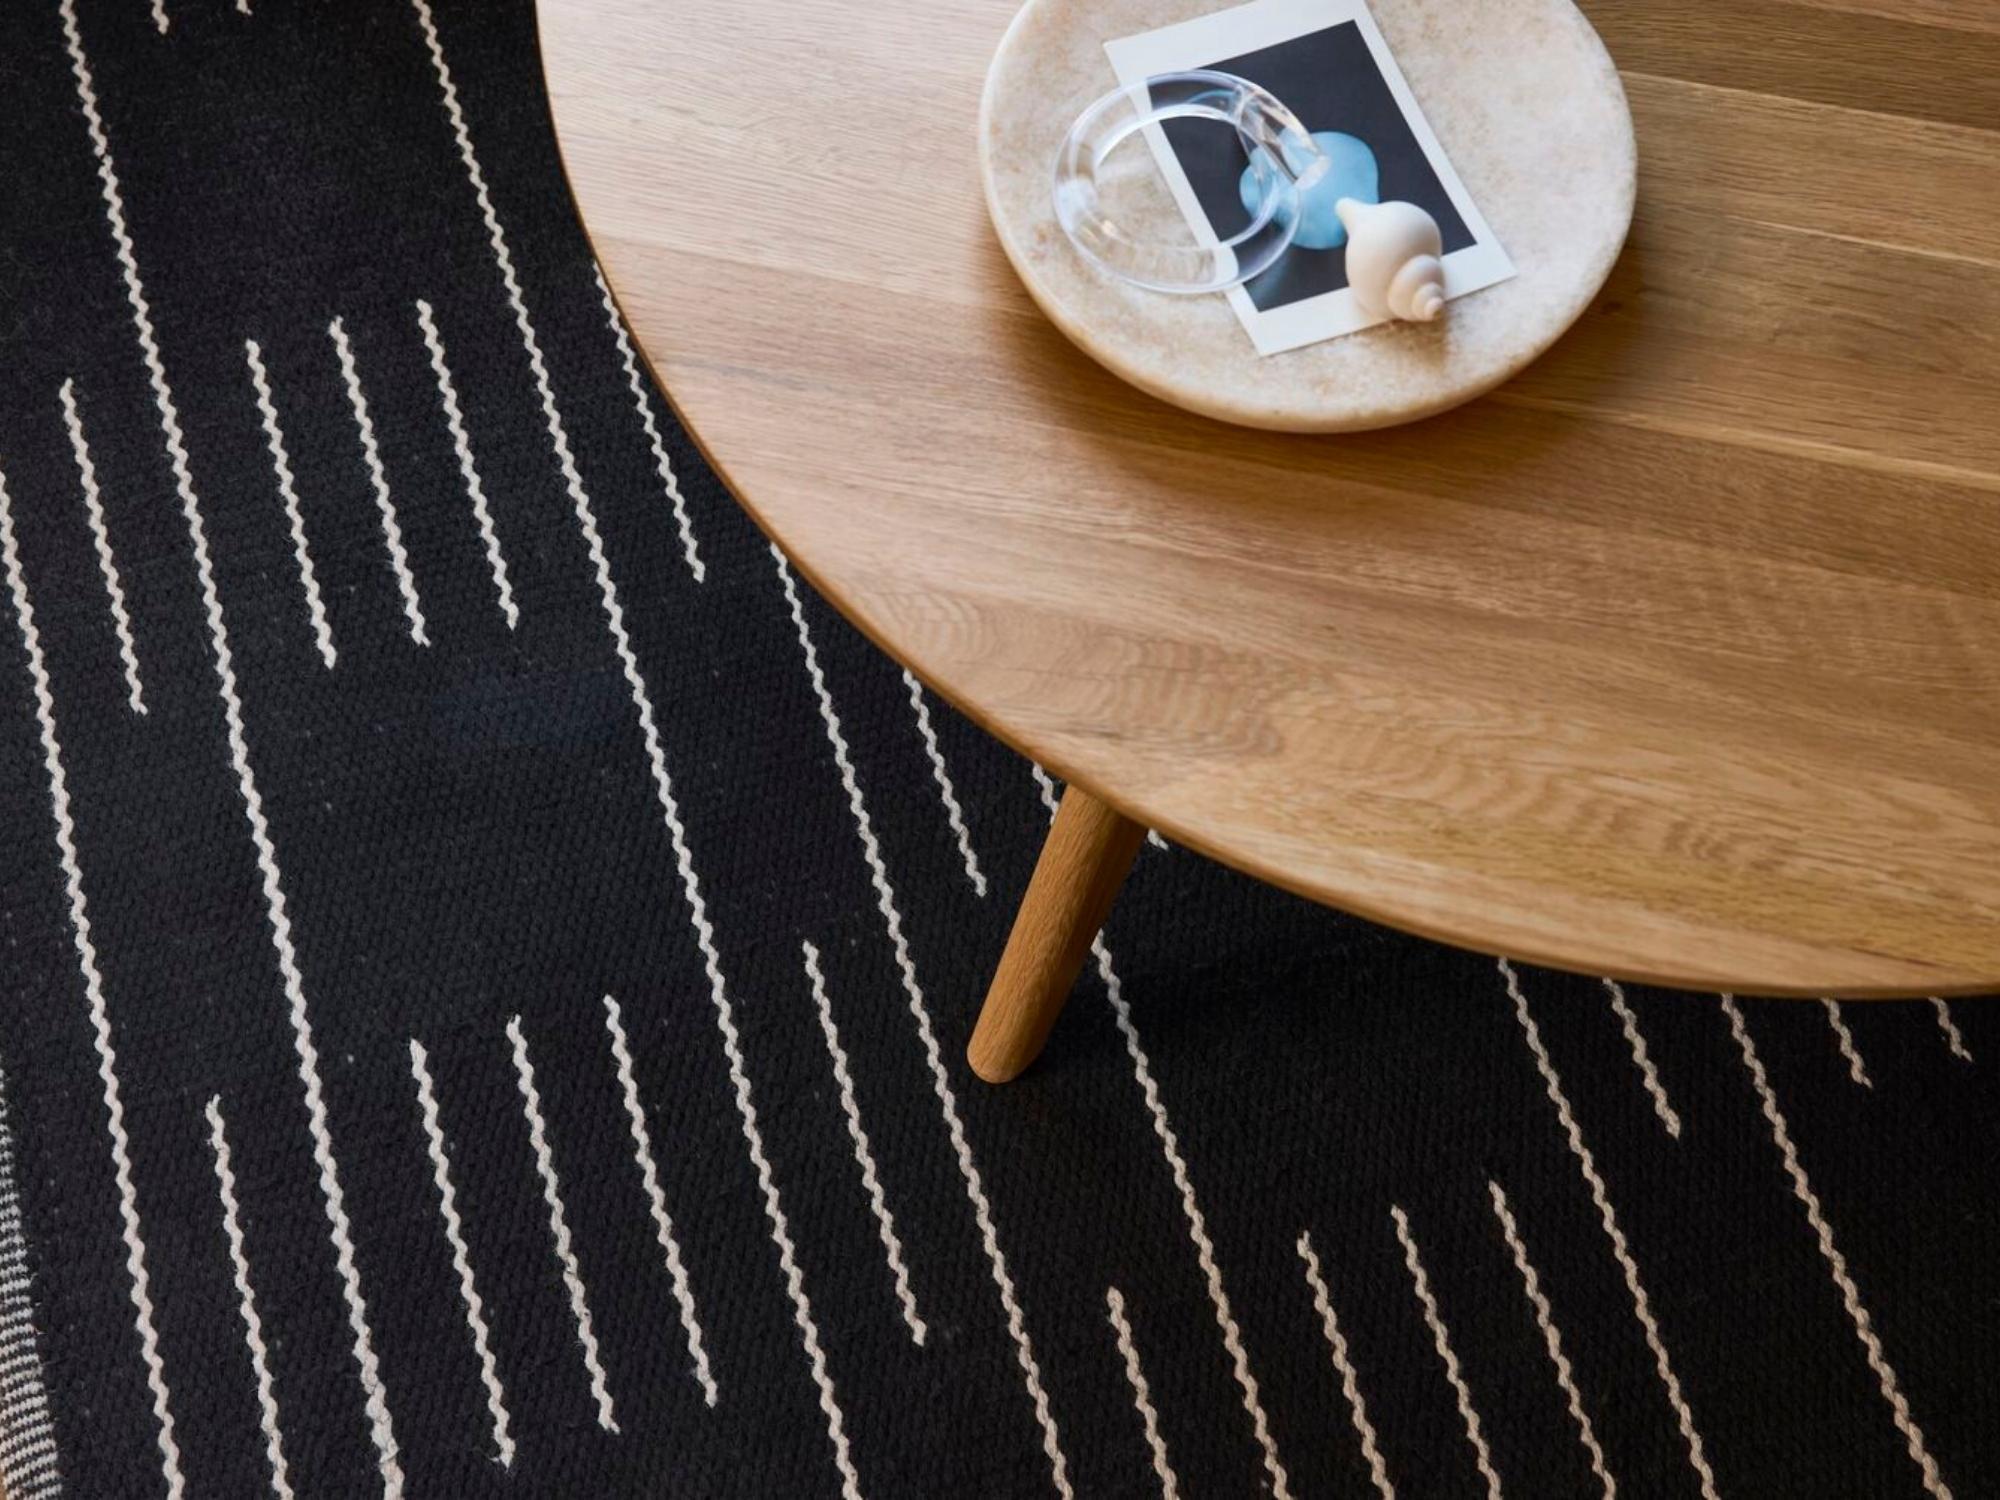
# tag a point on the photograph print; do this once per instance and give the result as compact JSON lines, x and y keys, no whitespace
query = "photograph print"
{"x":1327,"y":62}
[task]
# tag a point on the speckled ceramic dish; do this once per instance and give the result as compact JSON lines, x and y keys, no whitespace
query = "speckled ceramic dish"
{"x":1527,"y":105}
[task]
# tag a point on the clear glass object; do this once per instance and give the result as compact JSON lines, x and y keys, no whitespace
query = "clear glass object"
{"x":1284,"y":160}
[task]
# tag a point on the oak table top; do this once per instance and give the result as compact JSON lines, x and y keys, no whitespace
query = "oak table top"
{"x":1675,"y":658}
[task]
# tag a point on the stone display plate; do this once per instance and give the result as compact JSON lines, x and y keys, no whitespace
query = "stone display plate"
{"x":1527,"y":105}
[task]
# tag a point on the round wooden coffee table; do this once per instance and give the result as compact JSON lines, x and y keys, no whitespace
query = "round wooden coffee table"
{"x":1675,"y":658}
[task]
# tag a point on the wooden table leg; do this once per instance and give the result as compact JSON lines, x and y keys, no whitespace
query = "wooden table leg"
{"x":1089,"y":850}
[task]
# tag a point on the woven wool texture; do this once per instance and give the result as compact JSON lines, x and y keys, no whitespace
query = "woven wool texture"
{"x":486,"y":955}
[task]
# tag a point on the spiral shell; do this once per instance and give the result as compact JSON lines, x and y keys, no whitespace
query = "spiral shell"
{"x":1393,"y":259}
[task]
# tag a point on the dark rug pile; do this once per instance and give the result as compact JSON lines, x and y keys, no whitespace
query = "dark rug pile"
{"x":485,"y":956}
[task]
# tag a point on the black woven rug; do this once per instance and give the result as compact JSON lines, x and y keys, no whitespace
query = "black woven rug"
{"x":487,"y":956}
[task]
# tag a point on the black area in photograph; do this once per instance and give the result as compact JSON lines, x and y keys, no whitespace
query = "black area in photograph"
{"x":1330,"y":80}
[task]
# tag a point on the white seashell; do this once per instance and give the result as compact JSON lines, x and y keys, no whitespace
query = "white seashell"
{"x":1393,"y":263}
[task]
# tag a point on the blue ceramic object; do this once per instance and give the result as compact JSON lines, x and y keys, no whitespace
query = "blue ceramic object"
{"x":1351,"y":173}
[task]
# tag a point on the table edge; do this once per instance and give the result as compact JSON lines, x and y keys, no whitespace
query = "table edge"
{"x":1948,"y":982}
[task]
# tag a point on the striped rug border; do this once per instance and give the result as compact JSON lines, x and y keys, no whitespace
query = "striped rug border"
{"x":28,"y":1468}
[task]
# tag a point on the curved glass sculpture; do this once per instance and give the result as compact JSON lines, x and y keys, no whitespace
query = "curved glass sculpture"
{"x":1283,"y":160}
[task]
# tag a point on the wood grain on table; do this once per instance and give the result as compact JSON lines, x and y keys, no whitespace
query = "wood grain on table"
{"x":1676,"y":658}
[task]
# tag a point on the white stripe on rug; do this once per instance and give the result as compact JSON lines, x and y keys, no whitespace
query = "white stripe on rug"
{"x":1142,"y":1394}
{"x":1350,"y":1384}
{"x":1850,"y":1295}
{"x":1441,"y":1336}
{"x":1856,"y":1069}
{"x":954,"y":814}
{"x":662,"y":465}
{"x":559,"y":1236}
{"x":378,"y":477}
{"x":281,"y":465}
{"x":1531,"y":1284}
{"x":864,"y":1156}
{"x":1600,"y":1196}
{"x":1953,"y":1038}
{"x":461,"y":1257}
{"x":107,"y":561}
{"x":1642,"y":1059}
{"x":475,"y":492}
{"x":656,"y":1200}
{"x":253,"y":1325}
